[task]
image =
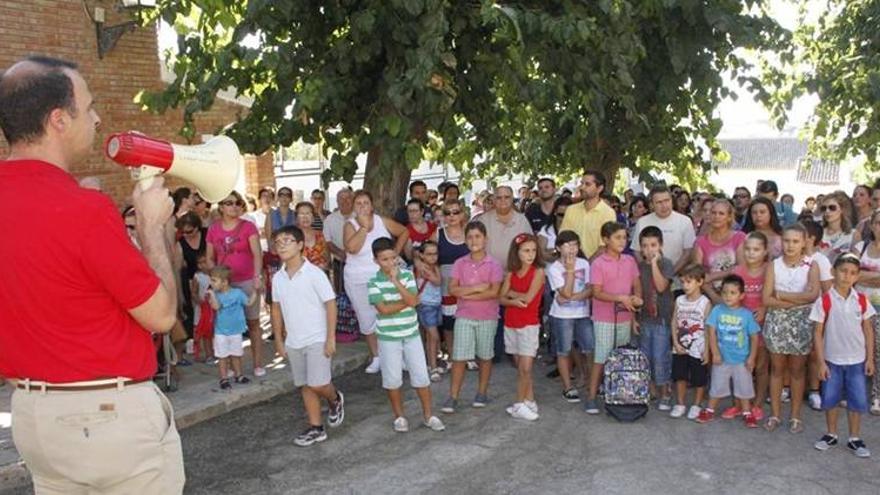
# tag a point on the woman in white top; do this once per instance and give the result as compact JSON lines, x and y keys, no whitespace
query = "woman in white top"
{"x":868,"y":252}
{"x":790,"y":287}
{"x":358,"y":236}
{"x":547,"y":234}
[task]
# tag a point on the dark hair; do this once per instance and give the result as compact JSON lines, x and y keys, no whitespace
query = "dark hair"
{"x":416,"y":183}
{"x":768,"y":187}
{"x":658,"y":189}
{"x":651,"y":231}
{"x":546,"y":179}
{"x":266,"y":189}
{"x":319,"y":191}
{"x":749,"y":225}
{"x":736,"y":280}
{"x":814,"y":229}
{"x":382,"y":244}
{"x":638,"y":198}
{"x":567,"y":236}
{"x":474,"y":225}
{"x":285,"y":189}
{"x":304,"y":204}
{"x":425,"y":244}
{"x":27,"y":98}
{"x":610,"y":228}
{"x":291,"y":230}
{"x":565,"y":191}
{"x":598,"y":176}
{"x":363,"y":192}
{"x":561,"y":201}
{"x":189,"y":219}
{"x":693,"y":271}
{"x":759,"y":236}
{"x":416,"y":201}
{"x":178,"y":196}
{"x":513,"y":262}
{"x":847,"y":258}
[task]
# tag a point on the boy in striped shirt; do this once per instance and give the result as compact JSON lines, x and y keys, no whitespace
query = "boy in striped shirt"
{"x":394,"y":293}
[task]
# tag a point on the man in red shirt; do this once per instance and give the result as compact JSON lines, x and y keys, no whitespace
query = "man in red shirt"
{"x":79,"y":303}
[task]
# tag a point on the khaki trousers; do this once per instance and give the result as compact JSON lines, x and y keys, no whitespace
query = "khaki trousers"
{"x":103,"y":441}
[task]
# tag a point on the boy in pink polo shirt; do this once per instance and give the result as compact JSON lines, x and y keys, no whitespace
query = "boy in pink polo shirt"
{"x":475,"y":281}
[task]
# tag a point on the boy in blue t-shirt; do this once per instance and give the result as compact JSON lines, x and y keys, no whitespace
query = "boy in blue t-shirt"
{"x":733,"y":339}
{"x":229,"y":323}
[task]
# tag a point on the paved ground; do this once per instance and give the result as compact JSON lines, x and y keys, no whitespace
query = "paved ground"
{"x":250,"y":450}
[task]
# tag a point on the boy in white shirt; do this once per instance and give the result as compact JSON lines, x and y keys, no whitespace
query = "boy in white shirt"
{"x":304,"y":308}
{"x":843,"y":340}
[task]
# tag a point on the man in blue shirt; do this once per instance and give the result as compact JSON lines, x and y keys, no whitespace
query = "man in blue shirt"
{"x":770,"y":190}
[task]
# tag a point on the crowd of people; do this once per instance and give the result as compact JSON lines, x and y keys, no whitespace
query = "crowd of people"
{"x":715,"y":290}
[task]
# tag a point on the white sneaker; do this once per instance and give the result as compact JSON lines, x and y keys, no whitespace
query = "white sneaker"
{"x":435,"y":375}
{"x":259,"y":371}
{"x":678,"y":411}
{"x":531,"y":405}
{"x":373,"y":368}
{"x":693,"y":412}
{"x":401,"y":425}
{"x":875,"y":407}
{"x":509,"y":409}
{"x":434,"y":424}
{"x":815,"y":401}
{"x":522,"y":411}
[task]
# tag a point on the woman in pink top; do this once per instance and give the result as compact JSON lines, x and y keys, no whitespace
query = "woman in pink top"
{"x":235,"y":243}
{"x":718,"y":250}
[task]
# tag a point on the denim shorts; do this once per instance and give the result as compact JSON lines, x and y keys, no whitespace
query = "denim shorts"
{"x":846,"y":381}
{"x":655,"y":340}
{"x":429,"y":315}
{"x":569,"y":330}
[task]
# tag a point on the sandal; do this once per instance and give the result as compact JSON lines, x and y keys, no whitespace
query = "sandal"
{"x":772,"y":423}
{"x":795,"y":426}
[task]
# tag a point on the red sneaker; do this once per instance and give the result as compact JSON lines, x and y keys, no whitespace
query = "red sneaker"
{"x":758,"y":413}
{"x":731,"y":412}
{"x":706,"y":416}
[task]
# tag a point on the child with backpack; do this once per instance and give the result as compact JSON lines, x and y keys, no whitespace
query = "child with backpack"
{"x":569,"y":277}
{"x":752,"y":270}
{"x":690,"y":355}
{"x":844,"y":342}
{"x":656,"y":272}
{"x":733,"y":339}
{"x":616,"y":283}
{"x":521,"y":295}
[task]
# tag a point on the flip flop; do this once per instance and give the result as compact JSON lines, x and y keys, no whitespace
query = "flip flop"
{"x":795,"y":426}
{"x":772,"y":423}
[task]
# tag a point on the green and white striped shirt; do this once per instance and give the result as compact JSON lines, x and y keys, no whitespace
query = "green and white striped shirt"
{"x":402,"y":324}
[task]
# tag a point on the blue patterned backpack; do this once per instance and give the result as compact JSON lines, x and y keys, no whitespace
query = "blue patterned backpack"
{"x":627,"y":380}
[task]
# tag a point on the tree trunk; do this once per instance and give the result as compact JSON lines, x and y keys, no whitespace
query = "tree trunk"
{"x":388,"y":187}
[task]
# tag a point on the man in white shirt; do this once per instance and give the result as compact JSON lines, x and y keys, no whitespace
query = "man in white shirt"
{"x":678,"y":230}
{"x":334,"y":225}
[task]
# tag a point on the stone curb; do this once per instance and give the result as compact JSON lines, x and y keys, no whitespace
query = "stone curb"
{"x":16,"y":474}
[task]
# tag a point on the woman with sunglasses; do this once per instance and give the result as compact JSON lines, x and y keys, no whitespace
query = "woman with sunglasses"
{"x":192,"y":242}
{"x":358,"y":235}
{"x":761,"y":217}
{"x":450,"y":247}
{"x":235,"y":243}
{"x":547,"y":234}
{"x":836,"y":212}
{"x":281,"y":216}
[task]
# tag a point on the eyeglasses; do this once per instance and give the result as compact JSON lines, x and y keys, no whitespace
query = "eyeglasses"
{"x":825,"y":208}
{"x":451,"y":212}
{"x":284,"y":241}
{"x":232,"y":203}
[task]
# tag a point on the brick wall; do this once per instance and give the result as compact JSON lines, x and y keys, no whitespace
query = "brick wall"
{"x":62,"y":28}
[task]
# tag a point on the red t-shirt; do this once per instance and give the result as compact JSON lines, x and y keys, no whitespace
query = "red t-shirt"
{"x":70,"y":275}
{"x":516,"y":317}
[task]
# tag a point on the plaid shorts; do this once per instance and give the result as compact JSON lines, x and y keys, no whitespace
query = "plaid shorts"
{"x":604,"y":335}
{"x":474,"y":338}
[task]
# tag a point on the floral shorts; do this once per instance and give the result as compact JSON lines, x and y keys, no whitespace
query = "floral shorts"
{"x":789,"y":331}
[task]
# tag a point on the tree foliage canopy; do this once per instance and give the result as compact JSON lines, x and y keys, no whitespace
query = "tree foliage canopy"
{"x":836,"y":56}
{"x":549,"y":87}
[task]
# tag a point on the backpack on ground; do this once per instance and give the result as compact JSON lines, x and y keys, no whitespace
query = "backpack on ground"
{"x":346,"y":320}
{"x":627,"y":382}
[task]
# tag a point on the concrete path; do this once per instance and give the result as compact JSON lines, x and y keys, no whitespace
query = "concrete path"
{"x":251,"y":450}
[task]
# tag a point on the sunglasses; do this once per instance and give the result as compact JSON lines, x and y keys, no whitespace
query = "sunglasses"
{"x":451,"y":212}
{"x":825,"y":208}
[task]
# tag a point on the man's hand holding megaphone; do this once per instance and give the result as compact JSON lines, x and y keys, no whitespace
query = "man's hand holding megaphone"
{"x":153,"y":206}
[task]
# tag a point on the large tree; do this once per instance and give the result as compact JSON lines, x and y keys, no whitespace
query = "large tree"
{"x":836,"y":56}
{"x":535,"y":87}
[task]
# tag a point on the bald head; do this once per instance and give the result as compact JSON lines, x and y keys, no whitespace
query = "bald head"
{"x":29,"y":91}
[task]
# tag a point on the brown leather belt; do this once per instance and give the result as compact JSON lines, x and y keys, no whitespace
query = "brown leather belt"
{"x":107,"y":384}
